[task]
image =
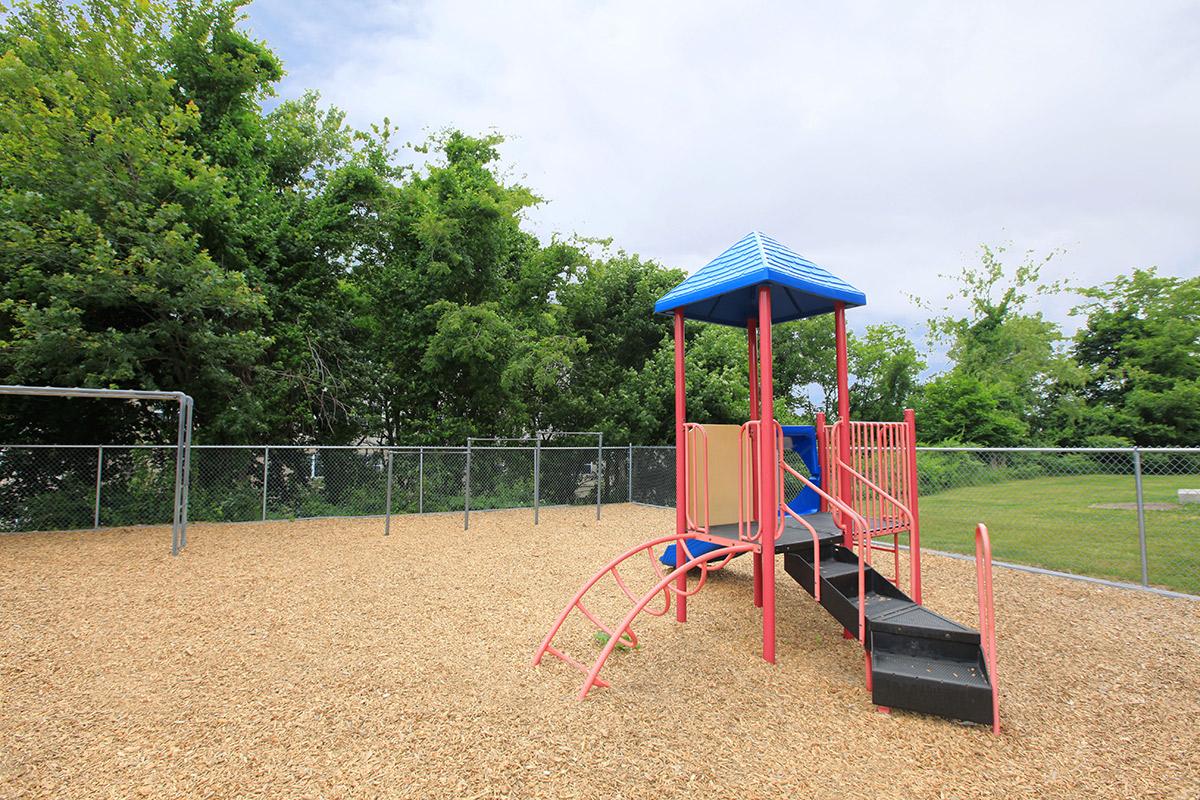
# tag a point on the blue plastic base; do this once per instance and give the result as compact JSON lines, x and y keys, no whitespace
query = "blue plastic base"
{"x":697,"y":547}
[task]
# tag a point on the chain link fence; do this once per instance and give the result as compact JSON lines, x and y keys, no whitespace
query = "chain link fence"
{"x":1117,"y":514}
{"x":1114,"y":514}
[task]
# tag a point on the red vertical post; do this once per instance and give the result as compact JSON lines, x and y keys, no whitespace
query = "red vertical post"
{"x":768,"y":507}
{"x":914,"y":536}
{"x":681,"y":475}
{"x":752,"y":352}
{"x":843,"y":401}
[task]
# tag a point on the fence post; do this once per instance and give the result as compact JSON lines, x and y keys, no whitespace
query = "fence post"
{"x":187,"y":472}
{"x":266,"y":464}
{"x":599,"y":472}
{"x":629,"y":470}
{"x":99,"y":476}
{"x":387,"y":512}
{"x":1141,"y":512}
{"x":467,"y":490}
{"x":421,"y":479}
{"x":537,"y":477}
{"x":175,"y":517}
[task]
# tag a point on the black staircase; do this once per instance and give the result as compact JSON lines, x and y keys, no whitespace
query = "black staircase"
{"x":920,"y":660}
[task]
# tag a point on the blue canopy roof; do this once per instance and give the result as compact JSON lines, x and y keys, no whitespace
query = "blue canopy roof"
{"x":724,"y":291}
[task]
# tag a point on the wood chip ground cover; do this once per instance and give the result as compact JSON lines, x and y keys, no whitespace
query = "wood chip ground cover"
{"x":320,"y":659}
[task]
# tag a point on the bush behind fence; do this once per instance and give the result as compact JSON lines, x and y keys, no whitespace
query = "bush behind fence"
{"x":1106,"y":513}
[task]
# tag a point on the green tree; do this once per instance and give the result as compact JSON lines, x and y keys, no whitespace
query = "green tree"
{"x":159,"y":230}
{"x":455,"y":291}
{"x":1140,"y":347}
{"x":883,"y":363}
{"x":960,"y":408}
{"x":1006,"y":357}
{"x":885,"y":368}
{"x":103,"y":207}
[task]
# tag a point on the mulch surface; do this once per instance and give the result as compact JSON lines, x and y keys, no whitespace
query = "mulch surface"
{"x":320,"y":659}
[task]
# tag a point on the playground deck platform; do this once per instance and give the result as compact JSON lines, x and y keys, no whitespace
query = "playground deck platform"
{"x":793,"y":538}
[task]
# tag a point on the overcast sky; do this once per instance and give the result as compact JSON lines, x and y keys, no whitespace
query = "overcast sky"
{"x":884,"y":141}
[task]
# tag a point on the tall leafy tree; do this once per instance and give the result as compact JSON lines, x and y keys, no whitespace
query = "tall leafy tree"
{"x":160,"y":229}
{"x":883,"y":363}
{"x":1140,"y":347}
{"x":166,"y":232}
{"x":104,"y":205}
{"x":441,"y":286}
{"x":1008,"y":360}
{"x":885,"y":368}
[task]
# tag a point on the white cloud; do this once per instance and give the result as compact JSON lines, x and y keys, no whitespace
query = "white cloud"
{"x":884,"y":141}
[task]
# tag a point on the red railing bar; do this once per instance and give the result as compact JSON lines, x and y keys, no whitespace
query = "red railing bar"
{"x":889,"y":475}
{"x":822,"y":455}
{"x":914,"y":533}
{"x":864,"y":549}
{"x":554,"y":651}
{"x":745,"y":442}
{"x":987,"y":614}
{"x":867,"y":482}
{"x":816,"y":550}
{"x":695,"y":432}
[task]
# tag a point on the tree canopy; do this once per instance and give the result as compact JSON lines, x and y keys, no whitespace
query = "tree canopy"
{"x":166,"y":224}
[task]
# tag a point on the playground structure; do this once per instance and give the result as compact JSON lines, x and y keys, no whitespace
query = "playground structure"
{"x":859,"y":499}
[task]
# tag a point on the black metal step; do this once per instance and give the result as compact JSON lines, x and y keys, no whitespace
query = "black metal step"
{"x":839,"y":585}
{"x":920,"y":660}
{"x":835,"y":573}
{"x":879,"y":604}
{"x":837,"y":566}
{"x":915,"y":620}
{"x":832,"y":570}
{"x":948,"y":679}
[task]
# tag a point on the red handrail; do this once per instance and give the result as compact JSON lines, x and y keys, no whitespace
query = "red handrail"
{"x":862,"y":539}
{"x":878,"y":490}
{"x":879,"y":508}
{"x":816,"y":547}
{"x":747,"y":441}
{"x":987,"y":615}
{"x":860,"y":530}
{"x":695,"y":432}
{"x":909,"y":440}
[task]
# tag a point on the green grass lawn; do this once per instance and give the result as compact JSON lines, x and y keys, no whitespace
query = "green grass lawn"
{"x":1047,"y":522}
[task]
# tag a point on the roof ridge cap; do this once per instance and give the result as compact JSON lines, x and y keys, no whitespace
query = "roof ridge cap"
{"x":762,"y":252}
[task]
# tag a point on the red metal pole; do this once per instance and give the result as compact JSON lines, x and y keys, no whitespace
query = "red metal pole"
{"x":767,"y":473}
{"x":987,"y":614}
{"x":843,"y":400}
{"x":681,"y":476}
{"x":914,"y":536}
{"x":751,"y":338}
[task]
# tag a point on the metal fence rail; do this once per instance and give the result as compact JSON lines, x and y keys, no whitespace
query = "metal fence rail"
{"x":1106,"y":513}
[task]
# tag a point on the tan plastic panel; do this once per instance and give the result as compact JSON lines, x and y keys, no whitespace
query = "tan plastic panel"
{"x":722,"y":477}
